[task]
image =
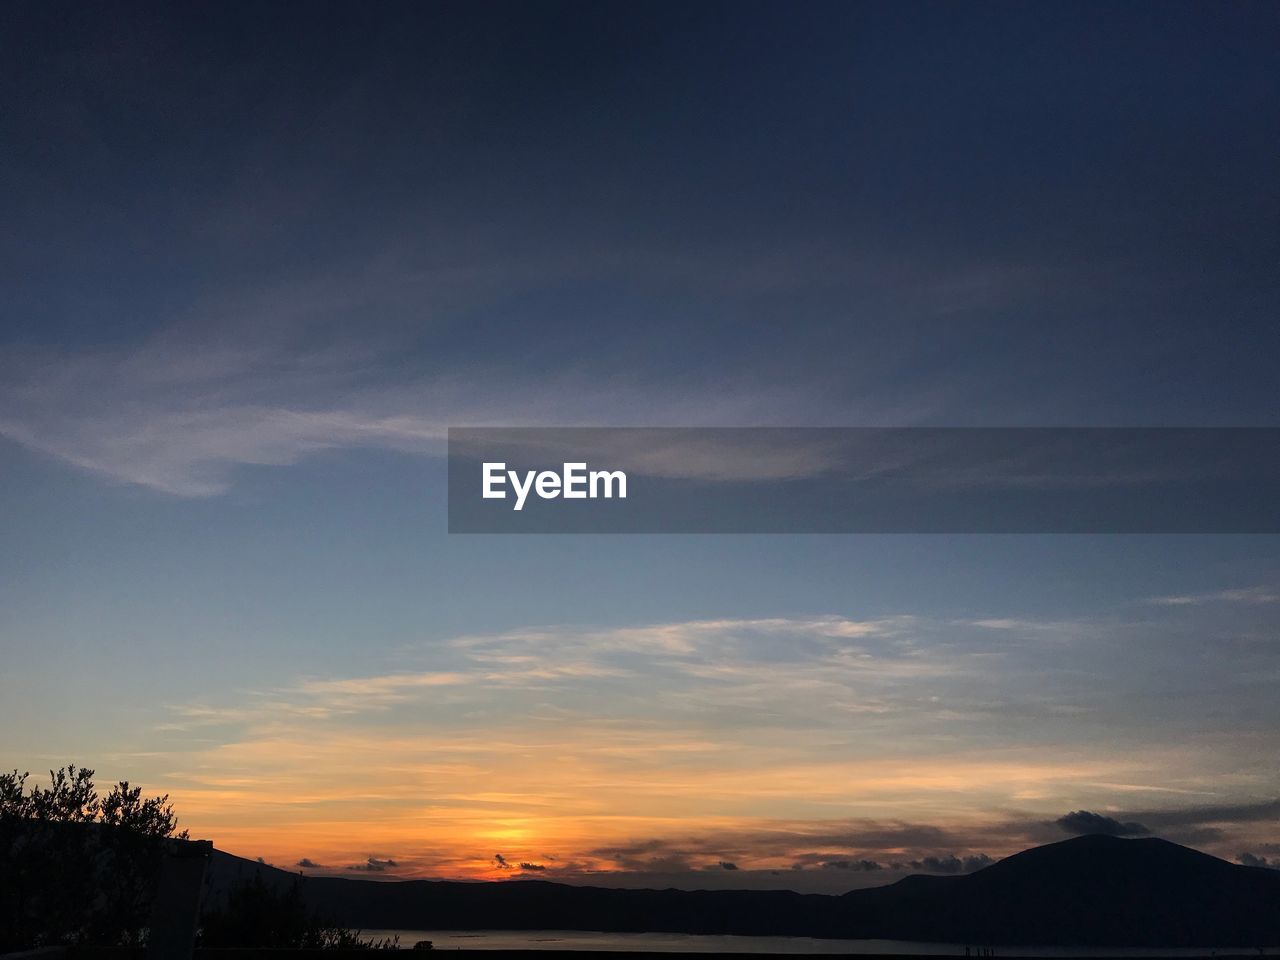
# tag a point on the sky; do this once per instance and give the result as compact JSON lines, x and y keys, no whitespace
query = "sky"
{"x":257,"y":259}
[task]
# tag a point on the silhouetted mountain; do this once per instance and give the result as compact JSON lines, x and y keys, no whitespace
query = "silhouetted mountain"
{"x":1088,"y":891}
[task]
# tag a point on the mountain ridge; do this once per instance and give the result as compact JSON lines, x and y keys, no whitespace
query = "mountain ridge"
{"x":1085,"y":891}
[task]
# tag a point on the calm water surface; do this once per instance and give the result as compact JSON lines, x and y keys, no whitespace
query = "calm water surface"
{"x":700,"y":943}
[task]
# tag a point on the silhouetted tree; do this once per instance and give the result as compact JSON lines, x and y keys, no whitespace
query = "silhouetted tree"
{"x":76,"y":867}
{"x":130,"y":849}
{"x":256,"y":915}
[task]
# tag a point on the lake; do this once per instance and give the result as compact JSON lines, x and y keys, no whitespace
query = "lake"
{"x":701,"y":943}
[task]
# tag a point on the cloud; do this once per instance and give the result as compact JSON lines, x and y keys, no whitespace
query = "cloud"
{"x":1164,"y":821}
{"x":1201,"y":825}
{"x":762,"y":849}
{"x":531,"y":867}
{"x":244,"y":384}
{"x":307,"y":863}
{"x":648,"y":856}
{"x":1086,"y":822}
{"x":769,"y":660}
{"x":182,"y":411}
{"x":374,"y":865}
{"x":1251,"y":860}
{"x":580,"y":739}
{"x":949,"y":863}
{"x":501,"y":862}
{"x":1247,"y":595}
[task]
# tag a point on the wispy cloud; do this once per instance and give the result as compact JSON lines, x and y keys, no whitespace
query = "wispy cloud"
{"x":155,"y":418}
{"x":769,"y":658}
{"x":1250,"y":595}
{"x":271,"y":376}
{"x":773,"y":743}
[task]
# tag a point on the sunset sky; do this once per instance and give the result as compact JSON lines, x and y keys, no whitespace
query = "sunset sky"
{"x":258,"y":258}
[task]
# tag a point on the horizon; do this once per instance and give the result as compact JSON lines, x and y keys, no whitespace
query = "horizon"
{"x":260,"y":260}
{"x":640,"y":881}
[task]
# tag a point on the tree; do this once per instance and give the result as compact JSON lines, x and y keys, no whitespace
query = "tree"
{"x":79,"y":868}
{"x":132,"y":845}
{"x":76,"y":867}
{"x":257,"y":915}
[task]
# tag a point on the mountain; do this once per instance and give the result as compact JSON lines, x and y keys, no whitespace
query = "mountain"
{"x":1087,"y":891}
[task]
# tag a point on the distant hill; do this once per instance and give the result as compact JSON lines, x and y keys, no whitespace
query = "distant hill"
{"x":1087,"y":891}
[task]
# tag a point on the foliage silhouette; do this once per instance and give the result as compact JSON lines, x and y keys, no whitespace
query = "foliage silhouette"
{"x":258,"y":915}
{"x":77,"y":868}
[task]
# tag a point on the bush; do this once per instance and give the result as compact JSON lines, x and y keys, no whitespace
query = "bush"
{"x":256,"y":915}
{"x":76,"y":868}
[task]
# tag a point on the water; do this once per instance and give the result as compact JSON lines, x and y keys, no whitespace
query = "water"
{"x":702,"y":943}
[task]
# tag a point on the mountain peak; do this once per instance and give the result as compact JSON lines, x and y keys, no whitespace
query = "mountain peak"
{"x":1096,"y":890}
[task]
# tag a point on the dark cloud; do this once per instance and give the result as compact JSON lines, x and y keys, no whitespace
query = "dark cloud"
{"x":1251,"y":860}
{"x":857,"y":836}
{"x":947,"y":863}
{"x":1212,"y":814}
{"x":1202,"y":826}
{"x":308,"y":864}
{"x":836,"y":852}
{"x":1080,"y":822}
{"x":728,"y":865}
{"x":933,"y":863}
{"x":651,"y":856}
{"x":950,"y":864}
{"x":633,"y":849}
{"x":1197,"y":826}
{"x":500,"y":862}
{"x":373,"y":865}
{"x":531,"y":867}
{"x":872,"y":835}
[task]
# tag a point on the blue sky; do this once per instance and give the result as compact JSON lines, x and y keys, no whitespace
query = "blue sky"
{"x":257,"y":261}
